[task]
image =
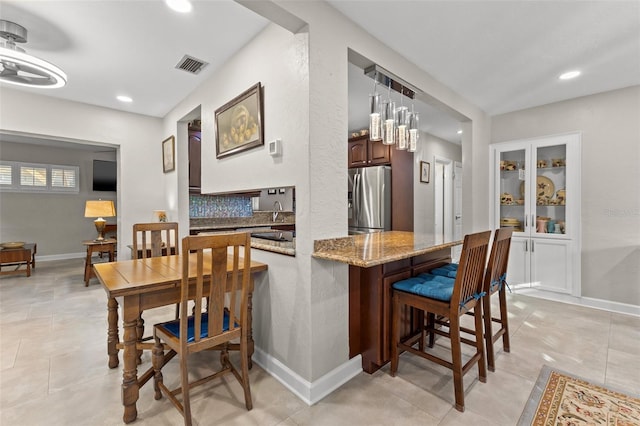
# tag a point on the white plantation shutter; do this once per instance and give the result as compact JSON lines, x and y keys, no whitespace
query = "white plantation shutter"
{"x":6,"y":175}
{"x":33,"y":175}
{"x":29,"y":177}
{"x":64,"y":178}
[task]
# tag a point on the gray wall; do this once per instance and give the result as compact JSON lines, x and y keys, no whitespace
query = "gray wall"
{"x":55,"y":222}
{"x":610,"y":196}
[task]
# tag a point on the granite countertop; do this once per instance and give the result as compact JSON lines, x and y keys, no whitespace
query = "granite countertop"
{"x":282,"y":247}
{"x":367,"y":250}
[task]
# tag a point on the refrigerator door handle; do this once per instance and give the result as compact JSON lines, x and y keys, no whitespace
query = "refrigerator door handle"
{"x":356,"y":198}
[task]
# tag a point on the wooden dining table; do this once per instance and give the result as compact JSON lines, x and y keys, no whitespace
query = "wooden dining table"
{"x":140,"y":285}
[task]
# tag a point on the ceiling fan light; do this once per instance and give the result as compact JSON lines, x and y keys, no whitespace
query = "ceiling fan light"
{"x":569,"y":75}
{"x":22,"y":69}
{"x":182,"y":6}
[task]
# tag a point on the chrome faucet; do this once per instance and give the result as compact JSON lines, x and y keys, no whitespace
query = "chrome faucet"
{"x":277,"y":208}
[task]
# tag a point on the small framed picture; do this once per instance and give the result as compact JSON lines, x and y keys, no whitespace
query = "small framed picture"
{"x":169,"y":154}
{"x":425,"y":170}
{"x":271,"y":191}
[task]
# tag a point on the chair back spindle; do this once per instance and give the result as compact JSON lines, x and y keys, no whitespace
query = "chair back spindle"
{"x":467,"y":289}
{"x":155,"y":239}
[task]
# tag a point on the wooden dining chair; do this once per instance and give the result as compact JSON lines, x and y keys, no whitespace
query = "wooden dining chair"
{"x":448,"y":298}
{"x":155,"y":239}
{"x":225,"y":320}
{"x":495,"y":281}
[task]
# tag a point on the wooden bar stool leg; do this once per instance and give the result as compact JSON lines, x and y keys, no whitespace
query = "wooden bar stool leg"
{"x":488,"y":331}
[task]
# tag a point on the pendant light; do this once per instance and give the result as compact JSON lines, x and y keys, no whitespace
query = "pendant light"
{"x":22,"y":69}
{"x":414,"y":121}
{"x":375,"y":128}
{"x":392,"y":125}
{"x":389,"y":120}
{"x":401,"y":125}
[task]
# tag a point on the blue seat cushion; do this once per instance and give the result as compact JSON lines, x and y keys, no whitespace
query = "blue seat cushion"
{"x":428,"y":285}
{"x":449,"y":270}
{"x":174,"y":327}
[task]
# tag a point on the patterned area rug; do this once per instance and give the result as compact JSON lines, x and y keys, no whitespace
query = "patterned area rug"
{"x":560,"y":399}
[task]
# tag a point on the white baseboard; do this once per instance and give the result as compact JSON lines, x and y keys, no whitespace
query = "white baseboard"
{"x":309,"y":392}
{"x":607,"y":305}
{"x":63,"y":256}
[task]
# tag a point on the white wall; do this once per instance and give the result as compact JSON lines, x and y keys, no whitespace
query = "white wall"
{"x":55,"y":221}
{"x":137,"y":137}
{"x":610,"y":198}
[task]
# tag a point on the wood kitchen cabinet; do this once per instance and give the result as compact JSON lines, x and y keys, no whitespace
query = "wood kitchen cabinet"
{"x":363,"y":152}
{"x":195,"y":141}
{"x":370,"y":291}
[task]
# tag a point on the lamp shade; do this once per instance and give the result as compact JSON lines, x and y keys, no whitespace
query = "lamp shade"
{"x":99,"y":208}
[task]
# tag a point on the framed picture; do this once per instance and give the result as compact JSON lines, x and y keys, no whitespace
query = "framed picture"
{"x":239,"y":123}
{"x":169,"y":154}
{"x":425,"y":170}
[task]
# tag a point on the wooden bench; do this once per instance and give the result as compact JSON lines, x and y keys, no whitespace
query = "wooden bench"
{"x":17,"y":257}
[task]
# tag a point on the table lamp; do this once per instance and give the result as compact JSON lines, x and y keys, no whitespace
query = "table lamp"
{"x":99,"y":209}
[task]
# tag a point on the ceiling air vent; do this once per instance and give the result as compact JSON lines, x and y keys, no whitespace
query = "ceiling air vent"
{"x":191,"y":64}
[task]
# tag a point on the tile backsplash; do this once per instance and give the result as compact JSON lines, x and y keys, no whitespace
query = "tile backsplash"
{"x":219,"y":206}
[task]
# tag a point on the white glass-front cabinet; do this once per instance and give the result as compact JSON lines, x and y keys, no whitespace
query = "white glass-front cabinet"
{"x":536,"y":192}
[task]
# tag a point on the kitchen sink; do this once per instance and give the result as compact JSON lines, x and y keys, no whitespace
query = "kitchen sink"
{"x":274,"y":235}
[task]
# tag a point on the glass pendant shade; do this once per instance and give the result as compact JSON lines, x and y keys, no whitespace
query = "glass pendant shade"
{"x":389,"y":123}
{"x":402,"y":115}
{"x":375,"y":128}
{"x":414,"y":120}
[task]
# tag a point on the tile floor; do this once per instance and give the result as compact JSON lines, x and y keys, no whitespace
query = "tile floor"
{"x":53,"y":367}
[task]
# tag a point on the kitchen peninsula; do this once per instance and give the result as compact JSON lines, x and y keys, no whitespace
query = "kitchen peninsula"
{"x":376,"y":261}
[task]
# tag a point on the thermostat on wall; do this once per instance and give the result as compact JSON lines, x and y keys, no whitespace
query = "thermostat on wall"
{"x":275,"y":147}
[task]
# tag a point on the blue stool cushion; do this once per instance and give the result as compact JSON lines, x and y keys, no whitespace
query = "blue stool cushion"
{"x":174,"y":327}
{"x":427,"y":285}
{"x":449,"y":270}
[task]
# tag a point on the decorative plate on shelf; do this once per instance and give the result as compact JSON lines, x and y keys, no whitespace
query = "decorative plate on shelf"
{"x":12,"y":244}
{"x":544,"y":187}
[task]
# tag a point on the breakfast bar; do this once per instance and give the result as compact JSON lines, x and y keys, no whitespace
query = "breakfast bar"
{"x":376,"y":261}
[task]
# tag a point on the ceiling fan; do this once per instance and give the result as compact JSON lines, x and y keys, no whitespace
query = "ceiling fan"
{"x":20,"y":68}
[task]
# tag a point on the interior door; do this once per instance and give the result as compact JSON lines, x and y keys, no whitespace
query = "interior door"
{"x":438,"y":180}
{"x":443,"y":199}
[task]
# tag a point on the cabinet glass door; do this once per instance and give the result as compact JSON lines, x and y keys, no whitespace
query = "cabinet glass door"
{"x":512,"y":184}
{"x":550,"y":187}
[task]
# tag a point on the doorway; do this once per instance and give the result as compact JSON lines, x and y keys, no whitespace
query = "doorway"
{"x":443,"y":199}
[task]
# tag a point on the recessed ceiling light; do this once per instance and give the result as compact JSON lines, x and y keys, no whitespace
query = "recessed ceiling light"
{"x":569,"y":75}
{"x":182,"y":6}
{"x":459,"y":132}
{"x":123,"y":98}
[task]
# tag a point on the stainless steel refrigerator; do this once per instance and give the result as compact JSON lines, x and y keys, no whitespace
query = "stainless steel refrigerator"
{"x":369,"y":199}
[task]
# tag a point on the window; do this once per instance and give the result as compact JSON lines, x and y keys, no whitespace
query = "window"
{"x":5,"y":175}
{"x":29,"y":177}
{"x":64,"y":177}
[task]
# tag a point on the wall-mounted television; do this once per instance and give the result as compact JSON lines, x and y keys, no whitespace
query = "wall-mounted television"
{"x":105,"y":175}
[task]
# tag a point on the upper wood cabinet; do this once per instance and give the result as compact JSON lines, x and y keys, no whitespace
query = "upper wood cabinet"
{"x":362,"y":152}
